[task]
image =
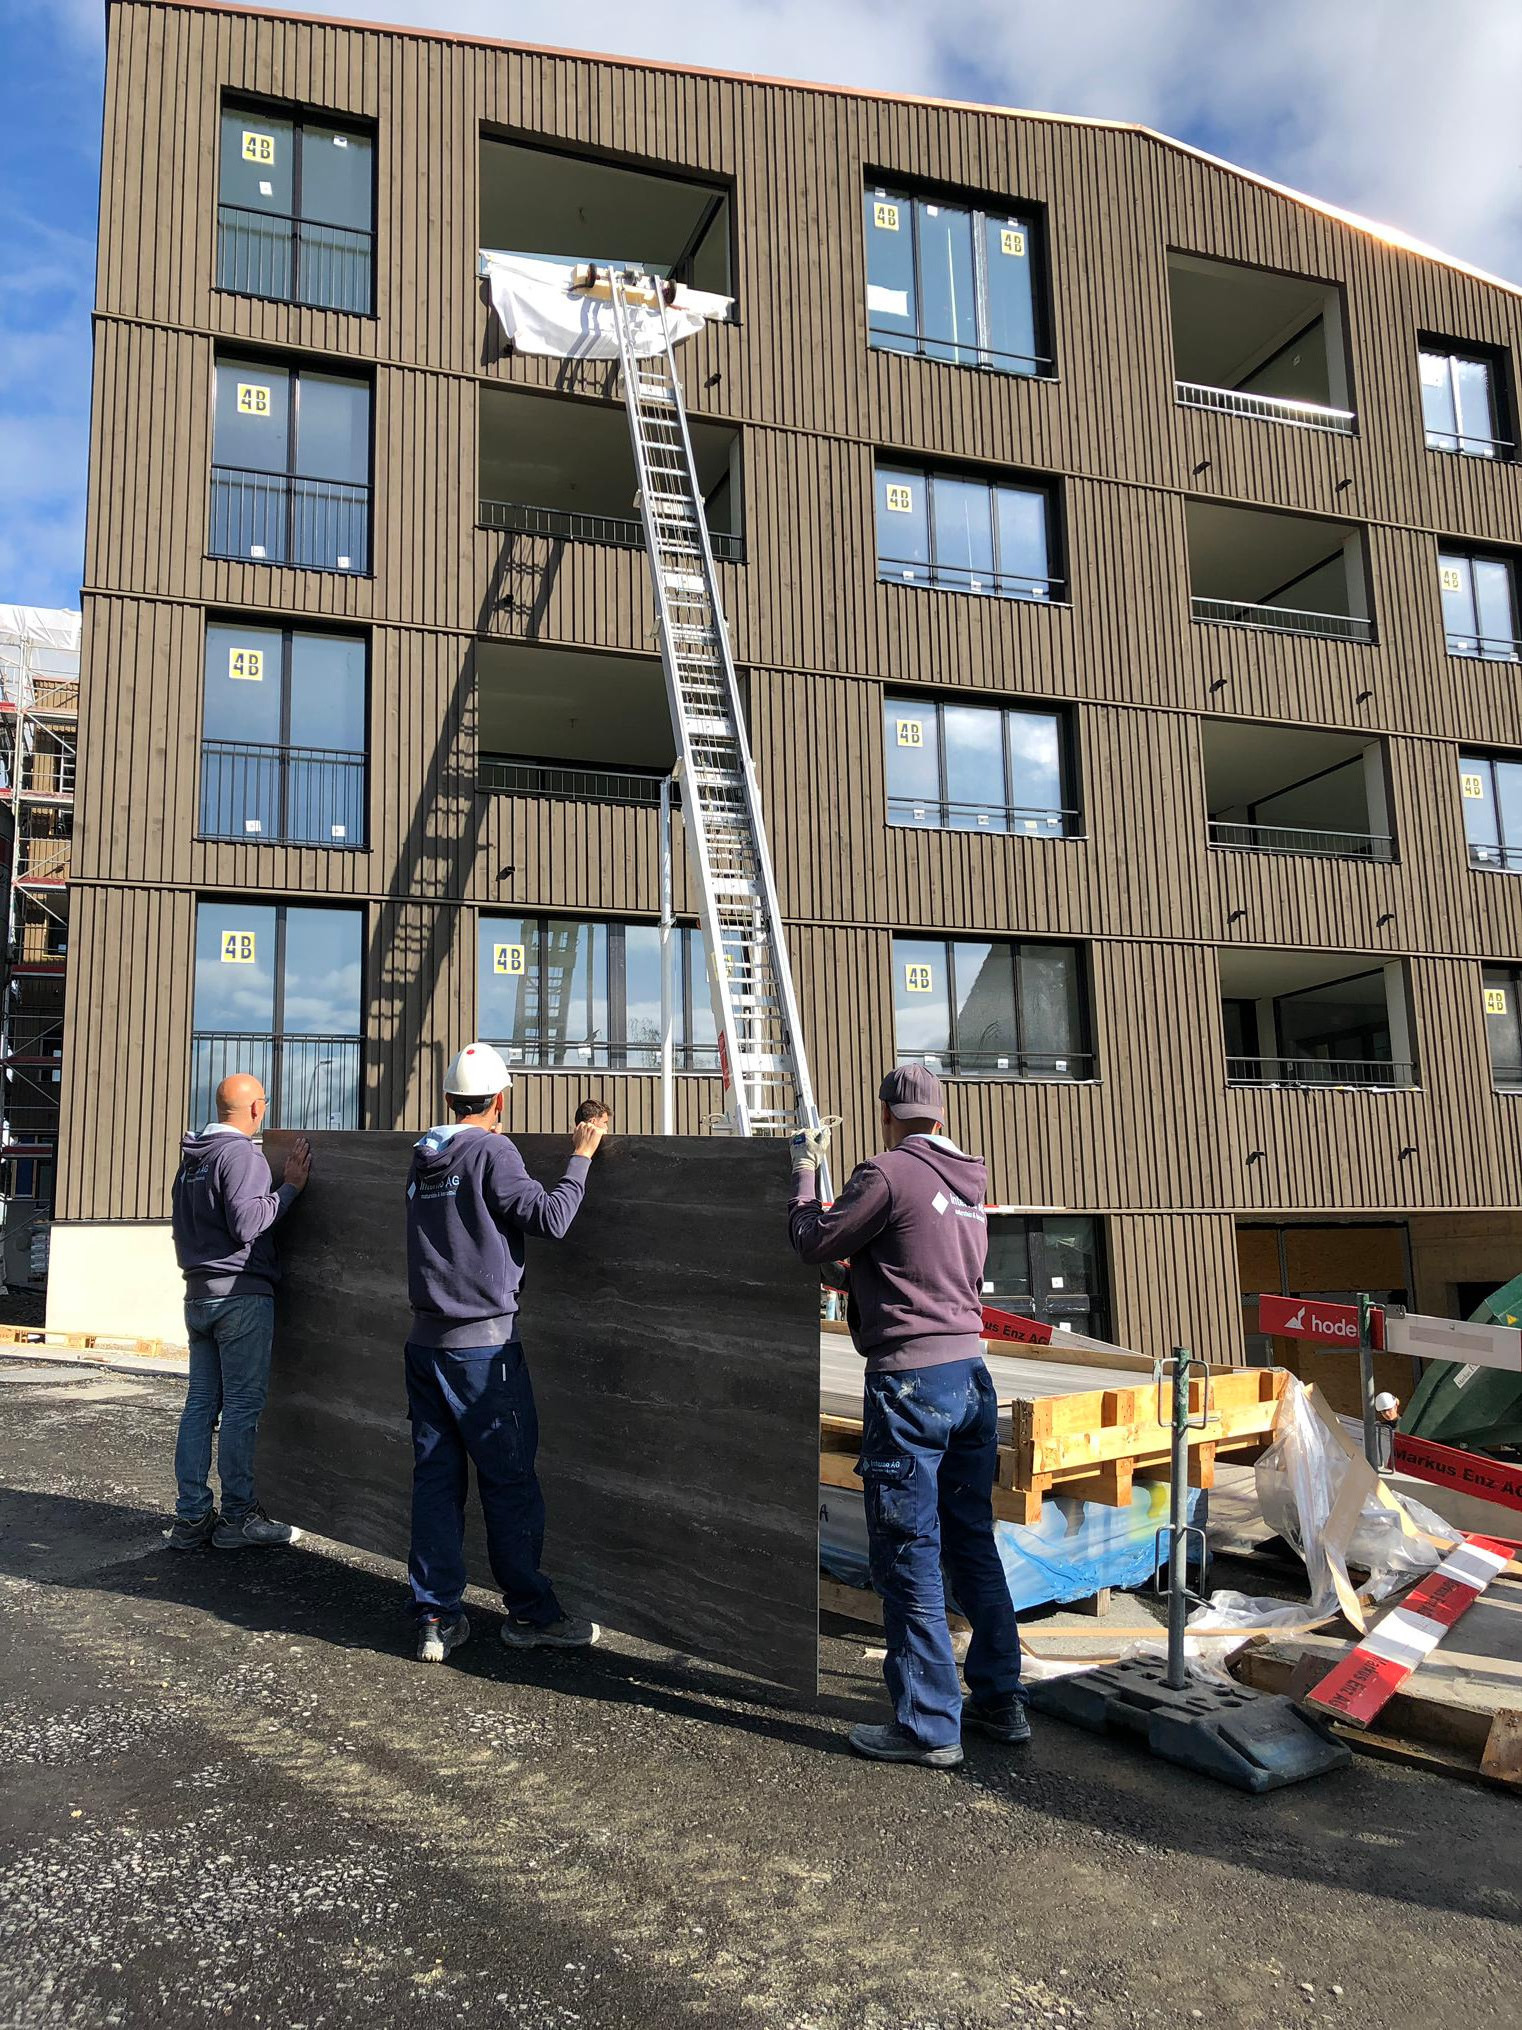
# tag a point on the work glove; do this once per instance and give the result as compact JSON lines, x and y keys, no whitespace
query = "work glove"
{"x":810,"y":1147}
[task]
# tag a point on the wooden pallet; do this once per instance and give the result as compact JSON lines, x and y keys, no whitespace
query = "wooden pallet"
{"x":1096,"y":1443}
{"x":102,"y":1343}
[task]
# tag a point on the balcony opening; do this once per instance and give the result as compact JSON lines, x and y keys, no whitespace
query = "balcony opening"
{"x":1290,"y":789}
{"x":574,"y":208}
{"x":1253,"y":343}
{"x":565,"y":723}
{"x":1315,"y":1019}
{"x":1289,"y":574}
{"x":553,"y":467}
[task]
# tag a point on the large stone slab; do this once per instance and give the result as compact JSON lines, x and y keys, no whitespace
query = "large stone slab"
{"x":673,"y":1342}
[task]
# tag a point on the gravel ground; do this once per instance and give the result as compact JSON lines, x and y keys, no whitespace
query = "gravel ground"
{"x":227,"y":1795}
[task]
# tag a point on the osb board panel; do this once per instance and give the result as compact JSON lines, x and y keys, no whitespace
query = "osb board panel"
{"x":673,"y":1343}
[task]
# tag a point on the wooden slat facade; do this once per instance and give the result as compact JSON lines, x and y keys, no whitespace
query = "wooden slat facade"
{"x":1157,"y":1144}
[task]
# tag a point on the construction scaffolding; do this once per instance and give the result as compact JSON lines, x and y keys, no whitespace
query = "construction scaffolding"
{"x":39,"y":728}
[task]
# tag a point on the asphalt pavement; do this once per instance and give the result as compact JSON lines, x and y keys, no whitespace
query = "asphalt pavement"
{"x":229,"y":1796}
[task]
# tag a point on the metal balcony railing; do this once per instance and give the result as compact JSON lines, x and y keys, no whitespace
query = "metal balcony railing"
{"x":521,"y":518}
{"x":1028,"y":1064}
{"x":1506,"y":1078}
{"x":311,"y":1081}
{"x":275,"y":518}
{"x":1024,"y":821}
{"x":1493,"y":648}
{"x":602,"y":1053}
{"x":884,"y":338}
{"x":294,"y":260}
{"x":1321,"y":844}
{"x":500,"y":775}
{"x":298,"y":796}
{"x":1469,"y":447}
{"x":1507,"y":858}
{"x":1318,"y":1071}
{"x":1265,"y":408}
{"x":963,"y":578}
{"x":1281,"y":619}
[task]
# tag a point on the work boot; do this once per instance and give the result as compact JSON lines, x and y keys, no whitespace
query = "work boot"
{"x":892,"y":1744}
{"x":569,"y":1632}
{"x":1006,"y":1723}
{"x":438,"y":1635}
{"x":191,"y":1536}
{"x":253,"y":1531}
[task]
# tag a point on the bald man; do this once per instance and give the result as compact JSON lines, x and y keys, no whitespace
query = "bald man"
{"x":225,"y":1209}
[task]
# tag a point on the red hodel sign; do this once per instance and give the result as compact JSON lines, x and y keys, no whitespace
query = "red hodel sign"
{"x":1308,"y":1318}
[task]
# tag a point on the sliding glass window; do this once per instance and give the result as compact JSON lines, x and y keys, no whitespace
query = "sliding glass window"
{"x":978,"y":768}
{"x":961,"y":534}
{"x":953,"y":282}
{"x":290,"y":474}
{"x":991,"y":1010}
{"x":296,"y":217}
{"x":283,"y":736}
{"x":1490,"y":790}
{"x":554,"y":992}
{"x":1479,"y":605}
{"x":1503,"y":1025}
{"x":1461,"y":402}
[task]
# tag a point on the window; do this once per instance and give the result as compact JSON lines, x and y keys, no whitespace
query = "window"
{"x":557,"y":992}
{"x":953,"y":282}
{"x":978,"y":768}
{"x":996,"y":1010}
{"x":1490,"y":789}
{"x":1461,"y":401}
{"x":290,"y":475}
{"x":1479,"y":605}
{"x":278,"y":993}
{"x":283,"y":736}
{"x":296,"y":216}
{"x":1503,"y":1027}
{"x":965,"y":535}
{"x":1051,"y":1269}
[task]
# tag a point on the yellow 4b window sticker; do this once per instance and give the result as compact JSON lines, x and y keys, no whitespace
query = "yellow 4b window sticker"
{"x":911,"y":733}
{"x":507,"y":959}
{"x":258,"y":147}
{"x":1495,"y":1000}
{"x":885,"y":217}
{"x":253,"y":398}
{"x":900,"y":499}
{"x":247,"y":664}
{"x":1450,"y":578}
{"x":1472,"y":785}
{"x":237,"y":947}
{"x":1011,"y":241}
{"x":918,"y":979}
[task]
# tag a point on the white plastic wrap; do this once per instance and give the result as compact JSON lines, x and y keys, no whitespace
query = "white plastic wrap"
{"x":542,"y":312}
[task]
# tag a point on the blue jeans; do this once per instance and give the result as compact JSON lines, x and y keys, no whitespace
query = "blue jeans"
{"x":475,"y":1403}
{"x":230,"y":1342}
{"x":929,"y":1458}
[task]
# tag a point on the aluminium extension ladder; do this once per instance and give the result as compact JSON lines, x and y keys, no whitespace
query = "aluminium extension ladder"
{"x":767,"y":1090}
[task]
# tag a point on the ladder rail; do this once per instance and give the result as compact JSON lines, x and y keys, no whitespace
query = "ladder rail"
{"x":696,"y":655}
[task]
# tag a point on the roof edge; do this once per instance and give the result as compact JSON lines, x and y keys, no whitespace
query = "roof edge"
{"x":1392,"y":236}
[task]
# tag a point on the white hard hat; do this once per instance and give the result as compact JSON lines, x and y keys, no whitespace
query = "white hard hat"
{"x":478,"y":1073}
{"x":1384,"y":1402}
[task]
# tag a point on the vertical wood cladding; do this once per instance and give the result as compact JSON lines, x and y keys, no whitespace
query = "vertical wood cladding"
{"x":1159,"y":1145}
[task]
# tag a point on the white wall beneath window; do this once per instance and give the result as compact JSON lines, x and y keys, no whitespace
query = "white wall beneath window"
{"x":119,"y":1278}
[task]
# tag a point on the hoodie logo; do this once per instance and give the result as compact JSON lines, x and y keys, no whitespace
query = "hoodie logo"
{"x":940,"y":1201}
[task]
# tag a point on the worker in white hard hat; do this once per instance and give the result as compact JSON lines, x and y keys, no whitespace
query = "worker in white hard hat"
{"x":471,"y":1205}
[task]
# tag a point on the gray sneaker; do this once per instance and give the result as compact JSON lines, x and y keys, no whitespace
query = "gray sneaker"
{"x":191,"y":1536}
{"x":569,"y":1632}
{"x":253,"y":1531}
{"x":436,"y":1637}
{"x":892,"y":1744}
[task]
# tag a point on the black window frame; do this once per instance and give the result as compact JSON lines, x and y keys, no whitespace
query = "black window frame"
{"x":1507,"y":977}
{"x":1070,"y":812}
{"x":689,"y":984}
{"x":288,"y":629}
{"x":950,"y":1060}
{"x":293,"y":366}
{"x":300,"y":116}
{"x":1048,"y":1307}
{"x":889,"y":187}
{"x":277,"y":1035}
{"x":1500,"y":449}
{"x":1468,"y":554}
{"x":1502,"y":858}
{"x":944,"y":579}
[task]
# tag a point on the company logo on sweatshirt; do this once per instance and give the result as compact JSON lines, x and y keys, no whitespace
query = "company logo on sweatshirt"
{"x":437,"y":1187}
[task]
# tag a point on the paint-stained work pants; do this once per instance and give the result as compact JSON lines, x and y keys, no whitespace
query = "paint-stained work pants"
{"x":929,"y":1458}
{"x":475,"y":1404}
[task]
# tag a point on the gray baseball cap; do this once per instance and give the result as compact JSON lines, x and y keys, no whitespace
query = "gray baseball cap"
{"x":912,"y":1093}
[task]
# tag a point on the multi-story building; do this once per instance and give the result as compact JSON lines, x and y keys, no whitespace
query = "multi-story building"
{"x":1120,"y":553}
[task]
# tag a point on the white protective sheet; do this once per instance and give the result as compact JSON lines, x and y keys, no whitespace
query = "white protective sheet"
{"x":542,"y":313}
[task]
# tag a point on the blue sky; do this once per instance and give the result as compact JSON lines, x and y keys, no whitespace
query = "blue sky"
{"x":1404,"y":110}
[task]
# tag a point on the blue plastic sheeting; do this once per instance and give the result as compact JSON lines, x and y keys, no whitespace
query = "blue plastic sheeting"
{"x":1075,"y":1549}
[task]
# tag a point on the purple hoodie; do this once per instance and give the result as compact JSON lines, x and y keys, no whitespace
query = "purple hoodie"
{"x":224,"y":1206}
{"x":913,"y":1224}
{"x":470,"y":1204}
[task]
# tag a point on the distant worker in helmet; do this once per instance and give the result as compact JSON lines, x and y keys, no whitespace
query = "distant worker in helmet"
{"x":471,"y":1205}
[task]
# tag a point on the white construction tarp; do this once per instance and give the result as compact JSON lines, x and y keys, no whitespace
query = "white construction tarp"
{"x":542,"y":312}
{"x":40,"y":626}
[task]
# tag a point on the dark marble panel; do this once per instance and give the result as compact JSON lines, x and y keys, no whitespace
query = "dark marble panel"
{"x":673,"y":1343}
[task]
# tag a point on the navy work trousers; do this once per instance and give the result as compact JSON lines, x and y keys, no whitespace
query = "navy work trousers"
{"x":929,"y":1458}
{"x":475,"y":1403}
